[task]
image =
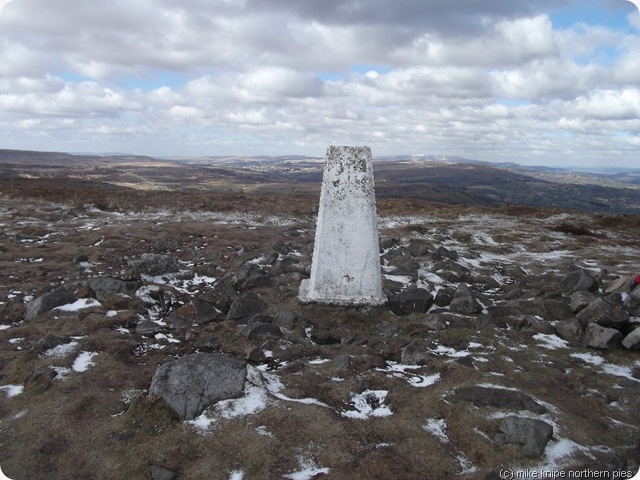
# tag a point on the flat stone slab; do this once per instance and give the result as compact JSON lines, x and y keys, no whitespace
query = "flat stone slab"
{"x":195,"y":382}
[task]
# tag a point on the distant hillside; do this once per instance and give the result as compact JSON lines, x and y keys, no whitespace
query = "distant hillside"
{"x":455,"y":181}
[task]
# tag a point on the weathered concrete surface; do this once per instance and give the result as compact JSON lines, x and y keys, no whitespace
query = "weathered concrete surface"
{"x":345,"y":268}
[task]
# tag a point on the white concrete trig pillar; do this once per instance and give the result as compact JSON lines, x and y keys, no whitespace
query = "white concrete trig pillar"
{"x":345,"y":268}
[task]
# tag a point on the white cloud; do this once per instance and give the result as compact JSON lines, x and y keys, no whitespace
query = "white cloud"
{"x":418,"y":76}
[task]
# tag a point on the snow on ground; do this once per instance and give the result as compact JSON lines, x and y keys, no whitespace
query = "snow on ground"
{"x":369,"y":403}
{"x":397,"y":370}
{"x":551,"y":342}
{"x":309,"y":469}
{"x":438,"y":427}
{"x":12,"y":390}
{"x":79,"y":304}
{"x":83,"y":361}
{"x":61,"y":350}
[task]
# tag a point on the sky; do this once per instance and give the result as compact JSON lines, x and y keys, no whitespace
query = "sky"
{"x":545,"y":82}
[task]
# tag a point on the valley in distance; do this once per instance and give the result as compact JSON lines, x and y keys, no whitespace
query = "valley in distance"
{"x":510,"y":342}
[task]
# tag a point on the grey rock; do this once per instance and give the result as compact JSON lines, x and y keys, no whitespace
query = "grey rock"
{"x":223,"y":293}
{"x":603,"y":313}
{"x":105,"y":286}
{"x":418,"y":248}
{"x":532,"y":433}
{"x":446,"y":253}
{"x":580,"y":300}
{"x":161,"y":473}
{"x":250,"y":276}
{"x":600,"y":337}
{"x":341,"y":362}
{"x":444,"y":296}
{"x":621,"y":285}
{"x":245,"y":307}
{"x":411,"y":300}
{"x":496,"y":397}
{"x":387,"y":242}
{"x":632,"y":341}
{"x":155,"y":264}
{"x":195,"y":382}
{"x":464,"y":301}
{"x":454,"y":272}
{"x":259,"y":330}
{"x":47,"y":342}
{"x":415,"y":353}
{"x":580,"y":280}
{"x":147,"y":327}
{"x":206,"y":310}
{"x":49,"y":301}
{"x":570,"y":330}
{"x":386,"y":329}
{"x":286,"y":319}
{"x":209,"y":344}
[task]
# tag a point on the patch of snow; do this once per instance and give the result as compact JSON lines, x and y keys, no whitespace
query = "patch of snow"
{"x":83,"y":361}
{"x":4,"y":327}
{"x":466,"y":467}
{"x":62,"y":372}
{"x":12,"y":390}
{"x":438,"y":427}
{"x":15,"y":340}
{"x":309,"y":470}
{"x":319,"y":361}
{"x":450,"y":352}
{"x":111,"y":313}
{"x":414,"y":379}
{"x":236,"y":475}
{"x":61,"y":350}
{"x":79,"y":304}
{"x":262,"y":430}
{"x":403,"y":279}
{"x":551,"y":342}
{"x":588,"y":358}
{"x":169,"y":338}
{"x":619,"y":371}
{"x":369,"y":403}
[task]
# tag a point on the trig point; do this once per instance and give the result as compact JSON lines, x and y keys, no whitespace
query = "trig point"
{"x":345,"y":268}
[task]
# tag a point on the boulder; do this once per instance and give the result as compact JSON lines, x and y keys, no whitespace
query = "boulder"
{"x":260,"y":330}
{"x":464,"y":301}
{"x":195,"y":382}
{"x":206,"y":311}
{"x":496,"y":397}
{"x":415,"y":353}
{"x":286,"y":319}
{"x":47,"y":342}
{"x":604,"y":338}
{"x":105,"y":286}
{"x":155,"y":264}
{"x":580,"y":300}
{"x":446,"y":253}
{"x":580,"y":280}
{"x":444,"y":296}
{"x":570,"y":330}
{"x":160,"y":473}
{"x":223,"y":293}
{"x":245,"y":307}
{"x":49,"y":301}
{"x":632,"y":341}
{"x":411,"y":300}
{"x":532,"y":433}
{"x":250,"y":276}
{"x":604,"y":314}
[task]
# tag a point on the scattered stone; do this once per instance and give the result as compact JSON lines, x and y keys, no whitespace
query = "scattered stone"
{"x":250,"y":276}
{"x":571,"y":330}
{"x":341,"y":362}
{"x":411,"y":300}
{"x":632,"y":341}
{"x":195,"y":382}
{"x":532,"y":433}
{"x":580,"y":300}
{"x":497,"y":398}
{"x":245,"y":307}
{"x":604,"y":314}
{"x":621,"y":285}
{"x":155,"y":264}
{"x":286,"y":319}
{"x":49,"y":301}
{"x":206,"y":311}
{"x":446,"y":253}
{"x":259,"y":330}
{"x":464,"y":301}
{"x":444,"y":296}
{"x":161,"y":473}
{"x":415,"y":353}
{"x":40,"y":380}
{"x":105,"y":286}
{"x":580,"y":280}
{"x":604,"y":338}
{"x":386,"y":329}
{"x":47,"y":342}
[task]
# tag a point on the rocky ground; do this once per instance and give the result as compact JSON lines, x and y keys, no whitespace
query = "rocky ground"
{"x":508,"y":343}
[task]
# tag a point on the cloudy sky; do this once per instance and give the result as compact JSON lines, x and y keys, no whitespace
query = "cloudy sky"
{"x":553,"y":82}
